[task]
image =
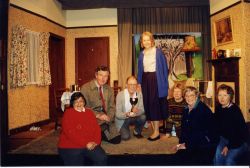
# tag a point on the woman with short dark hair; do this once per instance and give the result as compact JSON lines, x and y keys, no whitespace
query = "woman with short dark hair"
{"x":81,"y":135}
{"x":231,"y":127}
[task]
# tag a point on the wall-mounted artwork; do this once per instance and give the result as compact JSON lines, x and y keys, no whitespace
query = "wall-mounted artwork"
{"x":223,"y":31}
{"x":182,"y":64}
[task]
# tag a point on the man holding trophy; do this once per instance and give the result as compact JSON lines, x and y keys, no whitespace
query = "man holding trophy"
{"x":130,"y":110}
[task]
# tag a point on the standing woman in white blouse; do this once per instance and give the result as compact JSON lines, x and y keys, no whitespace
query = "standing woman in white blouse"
{"x":153,"y":77}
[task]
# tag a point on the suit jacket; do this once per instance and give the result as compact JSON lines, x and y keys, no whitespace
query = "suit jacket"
{"x":93,"y":99}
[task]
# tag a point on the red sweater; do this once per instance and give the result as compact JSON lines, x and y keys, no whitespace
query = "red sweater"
{"x":78,"y":129}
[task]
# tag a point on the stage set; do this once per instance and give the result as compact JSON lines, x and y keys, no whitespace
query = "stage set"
{"x":140,"y":152}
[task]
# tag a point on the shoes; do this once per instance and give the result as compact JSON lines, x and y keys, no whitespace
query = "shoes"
{"x":154,"y":139}
{"x":139,"y":136}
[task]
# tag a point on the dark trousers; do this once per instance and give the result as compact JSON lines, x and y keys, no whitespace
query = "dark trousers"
{"x":139,"y":123}
{"x":198,"y":156}
{"x":106,"y":135}
{"x":76,"y":157}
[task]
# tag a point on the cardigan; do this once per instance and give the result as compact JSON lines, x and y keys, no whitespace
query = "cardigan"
{"x":161,"y":72}
{"x":78,"y":129}
{"x":231,"y":125}
{"x":120,"y":108}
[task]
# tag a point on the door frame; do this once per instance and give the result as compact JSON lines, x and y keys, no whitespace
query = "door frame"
{"x":62,"y":39}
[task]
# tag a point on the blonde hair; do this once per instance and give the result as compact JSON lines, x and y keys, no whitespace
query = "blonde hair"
{"x":150,"y":35}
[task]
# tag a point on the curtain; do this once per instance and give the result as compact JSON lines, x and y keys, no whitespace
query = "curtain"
{"x":166,"y":20}
{"x":29,"y":61}
{"x":124,"y":45}
{"x":18,"y":58}
{"x":33,"y":54}
{"x":44,"y":69}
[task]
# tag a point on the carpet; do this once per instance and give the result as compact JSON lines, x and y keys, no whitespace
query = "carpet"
{"x":47,"y":144}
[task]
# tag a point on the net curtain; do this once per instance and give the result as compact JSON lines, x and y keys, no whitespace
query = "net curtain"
{"x":29,"y":61}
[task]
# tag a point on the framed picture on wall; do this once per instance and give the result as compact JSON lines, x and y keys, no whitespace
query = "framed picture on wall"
{"x":223,"y":31}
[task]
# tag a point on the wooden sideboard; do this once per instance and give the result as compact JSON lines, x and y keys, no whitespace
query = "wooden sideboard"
{"x":226,"y":70}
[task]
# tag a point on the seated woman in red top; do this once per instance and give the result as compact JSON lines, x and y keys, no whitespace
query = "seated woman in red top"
{"x":81,"y":135}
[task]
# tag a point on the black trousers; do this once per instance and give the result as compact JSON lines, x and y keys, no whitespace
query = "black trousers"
{"x":198,"y":156}
{"x":76,"y":157}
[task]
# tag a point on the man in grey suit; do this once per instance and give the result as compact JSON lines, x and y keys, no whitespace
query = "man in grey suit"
{"x":130,"y":110}
{"x":100,"y":98}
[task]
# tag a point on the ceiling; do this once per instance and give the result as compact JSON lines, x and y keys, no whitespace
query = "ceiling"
{"x":93,"y":4}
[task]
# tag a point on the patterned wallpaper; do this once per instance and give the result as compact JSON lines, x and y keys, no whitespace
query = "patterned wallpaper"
{"x":241,"y":32}
{"x":30,"y":104}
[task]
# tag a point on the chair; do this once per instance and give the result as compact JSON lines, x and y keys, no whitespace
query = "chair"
{"x":58,"y":110}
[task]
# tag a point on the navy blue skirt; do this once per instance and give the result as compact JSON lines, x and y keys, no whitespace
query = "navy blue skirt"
{"x":156,"y":108}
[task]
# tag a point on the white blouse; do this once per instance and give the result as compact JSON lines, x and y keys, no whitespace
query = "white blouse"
{"x":149,"y":60}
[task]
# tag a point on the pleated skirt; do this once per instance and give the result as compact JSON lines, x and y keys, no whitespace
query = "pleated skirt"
{"x":156,"y":108}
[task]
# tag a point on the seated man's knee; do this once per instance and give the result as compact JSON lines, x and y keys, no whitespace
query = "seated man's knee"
{"x":142,"y":117}
{"x":125,"y":136}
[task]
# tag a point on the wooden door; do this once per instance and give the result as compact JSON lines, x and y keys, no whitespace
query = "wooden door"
{"x":57,"y":69}
{"x":90,"y":53}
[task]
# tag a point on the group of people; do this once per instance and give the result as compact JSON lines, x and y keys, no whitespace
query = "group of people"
{"x":204,"y":136}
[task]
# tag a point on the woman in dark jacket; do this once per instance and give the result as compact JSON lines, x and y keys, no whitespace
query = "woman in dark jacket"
{"x":231,"y":127}
{"x":198,"y":137}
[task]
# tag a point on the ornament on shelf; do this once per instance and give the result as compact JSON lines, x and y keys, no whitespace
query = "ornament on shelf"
{"x":173,"y":132}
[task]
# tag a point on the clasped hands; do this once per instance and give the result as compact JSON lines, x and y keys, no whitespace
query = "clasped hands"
{"x":103,"y":117}
{"x":132,"y":113}
{"x":91,"y":145}
{"x":179,"y":146}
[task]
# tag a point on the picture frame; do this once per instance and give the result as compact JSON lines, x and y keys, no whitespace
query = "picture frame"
{"x":223,"y":31}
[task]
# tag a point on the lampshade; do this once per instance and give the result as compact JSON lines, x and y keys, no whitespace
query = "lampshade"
{"x":190,"y":44}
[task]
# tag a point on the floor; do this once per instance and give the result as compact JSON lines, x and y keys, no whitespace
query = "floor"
{"x":25,"y":137}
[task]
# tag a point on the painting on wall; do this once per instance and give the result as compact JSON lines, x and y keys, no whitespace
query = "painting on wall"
{"x":223,"y":31}
{"x":172,"y":46}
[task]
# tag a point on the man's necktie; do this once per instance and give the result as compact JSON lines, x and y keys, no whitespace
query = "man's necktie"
{"x":103,"y":102}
